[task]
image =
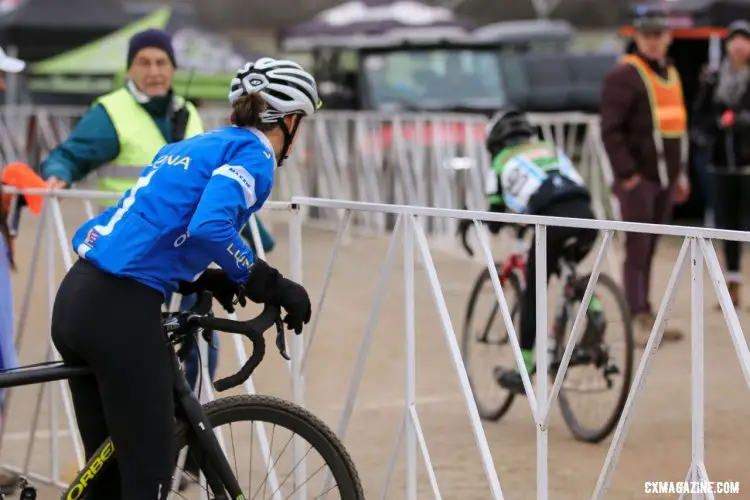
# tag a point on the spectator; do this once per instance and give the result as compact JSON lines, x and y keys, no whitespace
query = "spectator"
{"x":125,"y":129}
{"x":644,"y":122}
{"x":8,"y":358}
{"x":722,"y":123}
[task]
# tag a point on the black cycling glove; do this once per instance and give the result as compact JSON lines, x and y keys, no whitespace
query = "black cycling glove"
{"x":219,"y":284}
{"x":267,"y":285}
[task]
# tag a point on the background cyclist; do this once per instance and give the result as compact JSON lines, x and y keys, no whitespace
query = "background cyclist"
{"x":183,"y":213}
{"x":530,"y":176}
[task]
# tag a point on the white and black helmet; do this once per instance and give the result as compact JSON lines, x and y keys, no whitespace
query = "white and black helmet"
{"x":285,"y":86}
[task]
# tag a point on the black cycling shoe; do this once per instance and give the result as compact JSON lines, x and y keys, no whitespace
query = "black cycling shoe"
{"x":596,"y":325}
{"x":510,"y":380}
{"x":9,"y":482}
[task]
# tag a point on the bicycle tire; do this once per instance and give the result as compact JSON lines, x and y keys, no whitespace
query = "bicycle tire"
{"x":597,"y":435}
{"x":272,"y":410}
{"x":485,"y":413}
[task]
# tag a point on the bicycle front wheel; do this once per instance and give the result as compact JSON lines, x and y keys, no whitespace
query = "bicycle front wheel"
{"x":485,"y":343}
{"x":263,"y":461}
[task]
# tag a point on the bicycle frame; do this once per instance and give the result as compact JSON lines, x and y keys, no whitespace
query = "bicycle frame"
{"x":211,"y":460}
{"x":516,"y":263}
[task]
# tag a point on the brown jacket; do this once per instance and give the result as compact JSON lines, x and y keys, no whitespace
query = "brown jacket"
{"x":628,"y":127}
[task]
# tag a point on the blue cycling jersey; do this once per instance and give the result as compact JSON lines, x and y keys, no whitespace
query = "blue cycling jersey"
{"x":185,"y":211}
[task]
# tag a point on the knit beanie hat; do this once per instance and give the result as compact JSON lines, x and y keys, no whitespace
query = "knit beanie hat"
{"x":156,"y":38}
{"x":739,"y":27}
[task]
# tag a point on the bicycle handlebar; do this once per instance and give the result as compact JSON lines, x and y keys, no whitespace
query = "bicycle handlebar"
{"x":253,"y":329}
{"x":519,"y":228}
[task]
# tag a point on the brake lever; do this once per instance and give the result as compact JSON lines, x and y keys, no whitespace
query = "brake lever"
{"x":281,"y":339}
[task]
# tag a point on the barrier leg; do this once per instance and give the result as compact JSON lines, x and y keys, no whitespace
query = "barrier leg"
{"x":26,"y":303}
{"x":542,"y":433}
{"x":394,"y":455}
{"x":54,"y":448}
{"x":410,"y":375}
{"x":458,"y":365}
{"x":56,"y":227}
{"x":21,"y":325}
{"x":484,"y":242}
{"x":730,"y":312}
{"x":88,"y":208}
{"x":697,"y":380}
{"x":414,"y":418}
{"x":299,"y":480}
{"x":351,"y":395}
{"x":34,"y":426}
{"x":326,"y":282}
{"x":621,"y":432}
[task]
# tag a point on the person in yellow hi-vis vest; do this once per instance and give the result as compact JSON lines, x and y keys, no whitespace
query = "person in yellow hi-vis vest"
{"x":644,"y":130}
{"x":124,"y":130}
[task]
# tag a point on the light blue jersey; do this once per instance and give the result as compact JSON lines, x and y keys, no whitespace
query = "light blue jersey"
{"x":185,"y":211}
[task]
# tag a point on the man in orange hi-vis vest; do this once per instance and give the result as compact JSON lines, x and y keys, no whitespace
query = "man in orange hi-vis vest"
{"x":644,"y":130}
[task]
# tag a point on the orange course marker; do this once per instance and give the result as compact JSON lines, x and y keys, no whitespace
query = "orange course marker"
{"x":21,"y":176}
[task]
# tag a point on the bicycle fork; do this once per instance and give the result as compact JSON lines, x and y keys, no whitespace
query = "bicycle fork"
{"x":211,"y":458}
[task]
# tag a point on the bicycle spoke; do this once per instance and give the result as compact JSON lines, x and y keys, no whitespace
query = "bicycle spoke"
{"x":295,"y":468}
{"x":270,"y":454}
{"x":325,"y":492}
{"x":193,"y":479}
{"x":252,"y":439}
{"x":234,"y":454}
{"x":277,"y":460}
{"x":308,"y":479}
{"x":281,"y":476}
{"x":490,"y":322}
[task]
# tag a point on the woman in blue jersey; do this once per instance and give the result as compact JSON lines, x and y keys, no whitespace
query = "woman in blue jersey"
{"x":184,"y":213}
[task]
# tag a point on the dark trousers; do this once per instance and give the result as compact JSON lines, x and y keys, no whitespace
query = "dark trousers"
{"x":647,"y":203}
{"x":558,"y":239}
{"x":113,"y":325}
{"x":732,"y":210}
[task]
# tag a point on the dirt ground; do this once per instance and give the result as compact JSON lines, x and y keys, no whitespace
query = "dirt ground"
{"x":658,"y":447}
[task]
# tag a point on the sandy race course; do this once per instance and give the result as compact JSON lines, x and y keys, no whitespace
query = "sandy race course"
{"x":658,"y":447}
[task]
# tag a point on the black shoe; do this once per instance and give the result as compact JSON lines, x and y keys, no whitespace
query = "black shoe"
{"x":596,"y":324}
{"x":510,"y":380}
{"x":9,"y":482}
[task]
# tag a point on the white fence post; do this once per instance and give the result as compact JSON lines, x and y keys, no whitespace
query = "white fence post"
{"x":410,"y":371}
{"x":542,"y":434}
{"x":297,"y":353}
{"x":696,"y":354}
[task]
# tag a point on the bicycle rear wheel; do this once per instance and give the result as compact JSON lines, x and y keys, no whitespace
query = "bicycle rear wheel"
{"x":485,"y":343}
{"x":234,"y":417}
{"x":608,"y":362}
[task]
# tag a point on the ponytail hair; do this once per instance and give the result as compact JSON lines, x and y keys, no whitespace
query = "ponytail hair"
{"x":247,"y":110}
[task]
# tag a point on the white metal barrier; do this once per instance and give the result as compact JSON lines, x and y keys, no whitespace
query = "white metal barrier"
{"x":368,"y":157}
{"x":51,"y":229}
{"x":409,"y":226}
{"x":696,"y":240}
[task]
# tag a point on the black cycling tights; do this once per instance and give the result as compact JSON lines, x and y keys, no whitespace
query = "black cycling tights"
{"x":113,"y":325}
{"x":557,"y":238}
